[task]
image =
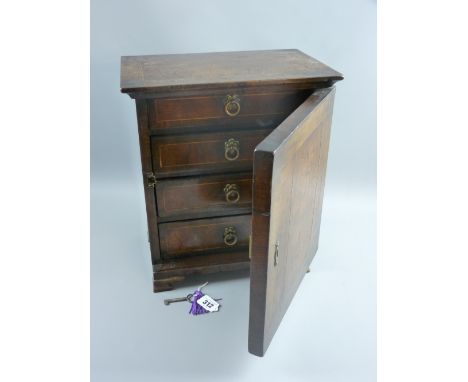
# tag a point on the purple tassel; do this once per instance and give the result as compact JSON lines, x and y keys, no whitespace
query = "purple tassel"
{"x":197,"y":309}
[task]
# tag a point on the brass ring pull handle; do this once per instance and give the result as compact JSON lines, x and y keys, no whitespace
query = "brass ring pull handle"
{"x":231,"y":149}
{"x":232,"y":105}
{"x":230,"y":236}
{"x":232,"y":193}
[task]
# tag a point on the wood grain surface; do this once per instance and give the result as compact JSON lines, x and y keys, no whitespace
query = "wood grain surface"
{"x":289,"y":174}
{"x":203,"y":153}
{"x":203,"y":235}
{"x":204,"y":196}
{"x":174,"y":72}
{"x":256,"y":109}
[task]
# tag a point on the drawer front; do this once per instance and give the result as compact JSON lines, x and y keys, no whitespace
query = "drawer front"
{"x":204,"y":235}
{"x":231,"y":107}
{"x":202,"y":153}
{"x":204,"y":196}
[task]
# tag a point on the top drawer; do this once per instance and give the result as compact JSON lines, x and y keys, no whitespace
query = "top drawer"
{"x":231,"y":108}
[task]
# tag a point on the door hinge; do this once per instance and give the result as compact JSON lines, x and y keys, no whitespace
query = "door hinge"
{"x":150,"y":180}
{"x":250,"y":247}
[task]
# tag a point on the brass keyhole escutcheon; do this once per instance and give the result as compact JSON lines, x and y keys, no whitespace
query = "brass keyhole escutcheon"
{"x":232,"y":194}
{"x":232,"y":105}
{"x":276,"y":257}
{"x":230,"y":236}
{"x":231,"y":149}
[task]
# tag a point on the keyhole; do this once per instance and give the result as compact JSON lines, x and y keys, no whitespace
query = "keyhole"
{"x":276,"y":254}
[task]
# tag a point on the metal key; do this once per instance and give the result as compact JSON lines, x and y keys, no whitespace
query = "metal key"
{"x":187,"y":298}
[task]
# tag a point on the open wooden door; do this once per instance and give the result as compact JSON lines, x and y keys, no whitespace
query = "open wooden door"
{"x":288,"y":184}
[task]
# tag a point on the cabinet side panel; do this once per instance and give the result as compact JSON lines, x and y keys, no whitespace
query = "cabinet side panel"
{"x":147,"y":167}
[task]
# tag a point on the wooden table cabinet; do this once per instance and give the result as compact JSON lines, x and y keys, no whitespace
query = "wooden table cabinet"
{"x":234,"y":150}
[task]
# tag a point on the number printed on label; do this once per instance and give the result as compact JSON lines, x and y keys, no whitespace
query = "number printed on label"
{"x":208,"y":303}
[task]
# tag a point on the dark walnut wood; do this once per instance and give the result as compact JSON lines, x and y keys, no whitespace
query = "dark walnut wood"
{"x":204,"y":235}
{"x":171,"y":271}
{"x":205,"y":153}
{"x":173,"y":72}
{"x":147,"y":167}
{"x":233,"y":152}
{"x":289,"y":174}
{"x":259,"y":109}
{"x":195,"y":197}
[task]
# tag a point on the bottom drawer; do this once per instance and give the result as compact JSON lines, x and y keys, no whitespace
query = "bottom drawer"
{"x":204,"y":235}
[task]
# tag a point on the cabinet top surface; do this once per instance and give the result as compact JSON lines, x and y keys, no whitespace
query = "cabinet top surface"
{"x":249,"y":68}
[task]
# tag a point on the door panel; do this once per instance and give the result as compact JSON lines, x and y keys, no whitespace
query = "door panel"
{"x":288,"y":184}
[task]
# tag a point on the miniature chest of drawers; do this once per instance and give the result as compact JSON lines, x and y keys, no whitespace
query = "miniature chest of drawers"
{"x":233,"y":150}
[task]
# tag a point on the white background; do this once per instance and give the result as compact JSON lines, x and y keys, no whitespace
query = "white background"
{"x":422,"y":187}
